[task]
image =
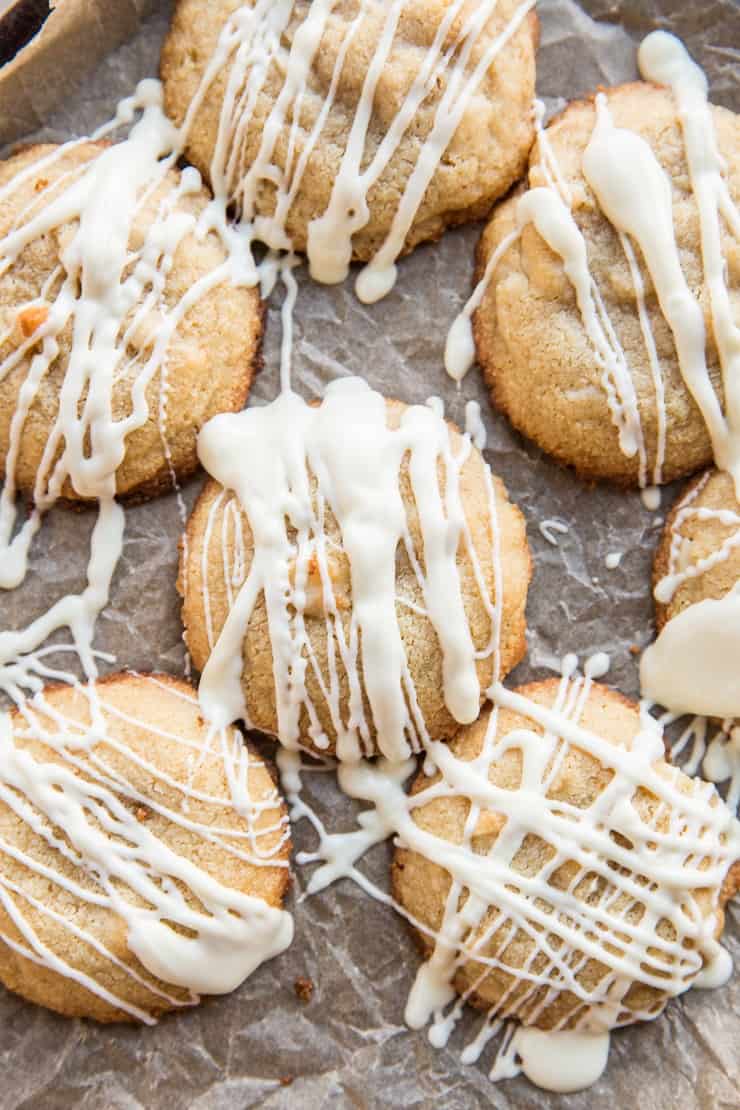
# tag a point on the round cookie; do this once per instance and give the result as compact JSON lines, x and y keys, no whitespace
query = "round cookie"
{"x":486,"y":155}
{"x":530,"y":335}
{"x":559,"y":825}
{"x":123,"y":838}
{"x":217,"y":554}
{"x":700,"y":544}
{"x":698,"y":560}
{"x":209,"y":362}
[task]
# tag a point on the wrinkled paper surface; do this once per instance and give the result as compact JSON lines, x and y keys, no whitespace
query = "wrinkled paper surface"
{"x":349,"y":1046}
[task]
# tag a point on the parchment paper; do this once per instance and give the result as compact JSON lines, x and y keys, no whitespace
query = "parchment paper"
{"x":348,"y":1046}
{"x":76,"y":35}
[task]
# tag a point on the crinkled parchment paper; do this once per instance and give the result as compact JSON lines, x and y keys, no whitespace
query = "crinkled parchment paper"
{"x":76,"y":35}
{"x":348,"y":1046}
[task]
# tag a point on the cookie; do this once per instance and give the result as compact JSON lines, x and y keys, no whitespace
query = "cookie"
{"x":205,"y":368}
{"x":142,"y":861}
{"x":427,"y":634}
{"x":691,"y":667}
{"x":698,"y":557}
{"x":346,"y":128}
{"x":585,"y":362}
{"x":583,"y":900}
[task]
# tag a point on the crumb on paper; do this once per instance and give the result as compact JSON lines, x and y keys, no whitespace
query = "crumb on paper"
{"x":304,"y":989}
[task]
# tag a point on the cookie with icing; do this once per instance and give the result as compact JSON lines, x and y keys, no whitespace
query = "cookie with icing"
{"x":349,"y":129}
{"x":380,"y":614}
{"x":142,"y":861}
{"x":691,"y":667}
{"x":582,"y":899}
{"x":601,"y":301}
{"x":698,"y":557}
{"x":206,"y":366}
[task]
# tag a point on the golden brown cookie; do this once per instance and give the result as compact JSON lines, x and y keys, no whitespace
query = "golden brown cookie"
{"x":698,"y":560}
{"x":531,"y":341}
{"x":216,"y":559}
{"x":208,"y":364}
{"x":139,"y":828}
{"x":558,"y":858}
{"x":487,"y":152}
{"x":700,"y":544}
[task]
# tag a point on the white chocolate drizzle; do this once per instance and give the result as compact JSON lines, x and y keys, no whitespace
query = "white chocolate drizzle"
{"x":474,"y":426}
{"x":460,"y":345}
{"x":692,"y":666}
{"x":635,"y":195}
{"x":714,"y":752}
{"x":553,"y":527}
{"x":666,"y":861}
{"x":379,"y":276}
{"x":665,"y":60}
{"x":543,"y":208}
{"x":346,"y":446}
{"x":651,"y":498}
{"x":548,"y":209}
{"x":563,"y":1061}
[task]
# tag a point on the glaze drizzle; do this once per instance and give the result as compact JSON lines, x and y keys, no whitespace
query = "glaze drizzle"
{"x":671,"y":857}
